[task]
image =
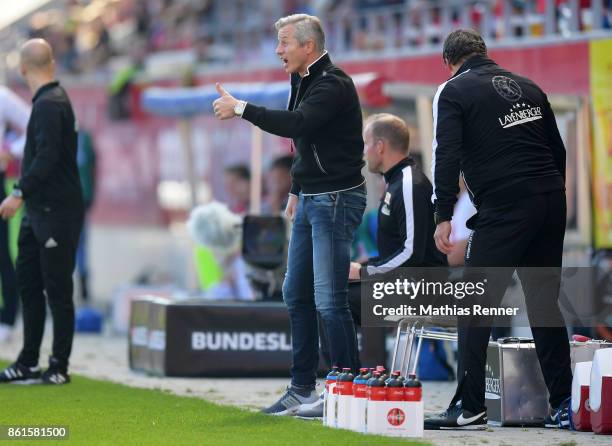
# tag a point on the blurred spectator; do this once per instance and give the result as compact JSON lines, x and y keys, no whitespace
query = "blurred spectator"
{"x":237,"y":183}
{"x":88,"y":35}
{"x":86,"y":162}
{"x":14,"y":112}
{"x":278,"y":185}
{"x":119,"y":106}
{"x":364,"y":246}
{"x":101,"y":50}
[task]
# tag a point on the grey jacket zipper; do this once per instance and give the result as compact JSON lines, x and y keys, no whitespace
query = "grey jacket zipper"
{"x":316,"y":155}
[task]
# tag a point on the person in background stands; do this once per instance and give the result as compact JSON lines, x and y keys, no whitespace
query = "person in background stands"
{"x":14,"y":112}
{"x":86,"y":161}
{"x":278,"y":185}
{"x":237,"y":184}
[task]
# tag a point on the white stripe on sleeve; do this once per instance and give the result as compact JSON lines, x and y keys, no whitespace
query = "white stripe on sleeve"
{"x":406,"y":253}
{"x":434,"y":143}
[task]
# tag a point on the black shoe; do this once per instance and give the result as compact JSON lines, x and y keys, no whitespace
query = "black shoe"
{"x":456,"y":417}
{"x":559,"y":417}
{"x":20,"y":374}
{"x":55,"y":376}
{"x":56,"y":373}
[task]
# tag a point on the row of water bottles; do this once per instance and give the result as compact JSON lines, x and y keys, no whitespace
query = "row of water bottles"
{"x":374,"y":402}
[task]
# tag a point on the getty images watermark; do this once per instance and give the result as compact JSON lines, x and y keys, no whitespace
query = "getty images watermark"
{"x":411,"y":290}
{"x":499,"y":297}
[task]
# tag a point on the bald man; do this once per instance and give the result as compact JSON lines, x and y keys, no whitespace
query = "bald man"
{"x":50,"y":188}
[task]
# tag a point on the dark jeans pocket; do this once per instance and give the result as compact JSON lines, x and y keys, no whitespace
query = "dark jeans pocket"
{"x":323,"y":199}
{"x":353,"y":208}
{"x":354,"y":199}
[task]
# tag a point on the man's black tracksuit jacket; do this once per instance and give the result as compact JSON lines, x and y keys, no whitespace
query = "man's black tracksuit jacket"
{"x":405,"y":223}
{"x":51,"y":226}
{"x":497,"y":130}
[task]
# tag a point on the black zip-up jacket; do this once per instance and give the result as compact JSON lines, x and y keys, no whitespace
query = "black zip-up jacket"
{"x":498,"y":131}
{"x":49,"y":175}
{"x":324,"y":120}
{"x":405,"y":223}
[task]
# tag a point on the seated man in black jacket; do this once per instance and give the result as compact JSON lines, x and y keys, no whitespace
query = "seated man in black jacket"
{"x":405,"y":216}
{"x":327,"y":198}
{"x":405,"y":223}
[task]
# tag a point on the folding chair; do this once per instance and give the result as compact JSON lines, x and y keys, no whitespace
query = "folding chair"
{"x":410,"y":328}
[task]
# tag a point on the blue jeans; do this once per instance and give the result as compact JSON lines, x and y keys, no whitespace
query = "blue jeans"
{"x":317,"y":280}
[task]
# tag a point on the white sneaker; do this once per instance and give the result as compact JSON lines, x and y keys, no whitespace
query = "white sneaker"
{"x":290,"y":402}
{"x":312,"y":411}
{"x":6,"y":331}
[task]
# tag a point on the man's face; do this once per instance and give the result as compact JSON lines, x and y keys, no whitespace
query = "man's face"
{"x":237,"y":188}
{"x":293,"y":55}
{"x":372,"y":147}
{"x":278,"y":181}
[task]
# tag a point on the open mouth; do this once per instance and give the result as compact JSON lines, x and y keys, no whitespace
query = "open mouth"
{"x":285,"y":62}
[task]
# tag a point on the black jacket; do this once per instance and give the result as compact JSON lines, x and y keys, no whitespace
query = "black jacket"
{"x":405,"y":223}
{"x":324,"y":119}
{"x":49,"y":175}
{"x":498,"y":131}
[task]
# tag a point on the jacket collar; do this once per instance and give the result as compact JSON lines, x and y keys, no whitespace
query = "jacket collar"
{"x":314,"y":68}
{"x":473,"y":62}
{"x":317,"y":65}
{"x":389,"y":174}
{"x":44,"y":88}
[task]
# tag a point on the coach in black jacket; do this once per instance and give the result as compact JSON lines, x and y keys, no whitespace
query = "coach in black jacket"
{"x":49,"y":233}
{"x":497,"y":130}
{"x":326,"y":203}
{"x":405,"y":214}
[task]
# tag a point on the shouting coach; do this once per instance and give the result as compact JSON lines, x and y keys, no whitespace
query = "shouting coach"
{"x":326,"y":203}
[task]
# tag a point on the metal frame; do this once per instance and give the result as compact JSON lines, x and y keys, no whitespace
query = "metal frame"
{"x":409,"y":327}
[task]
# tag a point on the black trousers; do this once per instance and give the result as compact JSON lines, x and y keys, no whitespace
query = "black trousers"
{"x":8,"y":311}
{"x":45,"y":263}
{"x":526,"y":233}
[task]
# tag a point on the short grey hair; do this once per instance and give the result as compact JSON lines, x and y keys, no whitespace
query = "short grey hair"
{"x":307,"y":27}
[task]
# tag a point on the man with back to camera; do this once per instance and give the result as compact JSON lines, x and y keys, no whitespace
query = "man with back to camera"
{"x":326,"y":203}
{"x":49,"y":233}
{"x":500,"y":130}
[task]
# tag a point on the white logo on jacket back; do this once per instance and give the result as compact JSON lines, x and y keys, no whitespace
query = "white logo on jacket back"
{"x":520,"y":113}
{"x":507,"y":88}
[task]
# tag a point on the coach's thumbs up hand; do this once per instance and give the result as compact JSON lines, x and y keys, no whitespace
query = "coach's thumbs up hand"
{"x":222,"y":91}
{"x":224,"y":106}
